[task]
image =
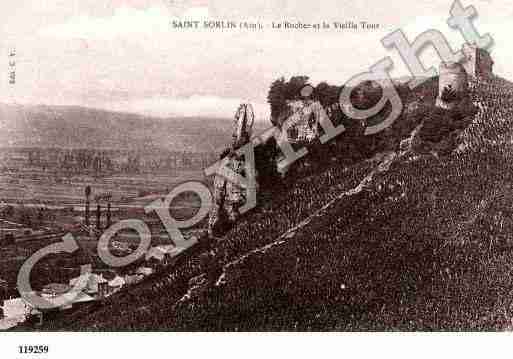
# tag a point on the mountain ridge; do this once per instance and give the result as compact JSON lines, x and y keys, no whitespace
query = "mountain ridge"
{"x":84,"y":127}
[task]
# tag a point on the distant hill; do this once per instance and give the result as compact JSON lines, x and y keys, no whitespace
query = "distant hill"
{"x":80,"y":127}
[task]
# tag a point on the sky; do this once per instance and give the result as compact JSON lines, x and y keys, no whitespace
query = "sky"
{"x":124,"y":55}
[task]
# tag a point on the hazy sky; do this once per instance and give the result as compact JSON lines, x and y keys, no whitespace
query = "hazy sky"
{"x":125,"y":55}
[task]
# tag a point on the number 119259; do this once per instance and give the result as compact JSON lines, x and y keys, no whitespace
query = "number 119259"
{"x":33,"y":349}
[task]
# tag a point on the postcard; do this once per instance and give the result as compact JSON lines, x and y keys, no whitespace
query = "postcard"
{"x":204,"y":166}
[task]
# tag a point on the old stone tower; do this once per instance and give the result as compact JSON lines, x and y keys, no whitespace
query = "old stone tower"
{"x":453,"y":82}
{"x":452,"y":85}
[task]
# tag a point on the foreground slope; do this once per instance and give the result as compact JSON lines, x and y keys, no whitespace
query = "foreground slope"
{"x":407,"y":241}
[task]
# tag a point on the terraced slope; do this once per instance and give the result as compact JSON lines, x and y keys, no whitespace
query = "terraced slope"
{"x":412,"y":241}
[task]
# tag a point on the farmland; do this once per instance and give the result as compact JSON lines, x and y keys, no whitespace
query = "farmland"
{"x":38,"y":206}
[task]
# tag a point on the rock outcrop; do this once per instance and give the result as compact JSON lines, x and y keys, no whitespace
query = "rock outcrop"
{"x":229,"y":195}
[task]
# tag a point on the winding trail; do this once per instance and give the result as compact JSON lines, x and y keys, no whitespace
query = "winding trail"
{"x":383,"y":166}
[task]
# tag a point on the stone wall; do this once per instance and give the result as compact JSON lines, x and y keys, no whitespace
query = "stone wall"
{"x":478,"y":62}
{"x":453,"y":79}
{"x":302,"y":121}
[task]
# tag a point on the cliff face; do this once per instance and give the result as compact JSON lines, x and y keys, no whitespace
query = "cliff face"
{"x":408,"y":240}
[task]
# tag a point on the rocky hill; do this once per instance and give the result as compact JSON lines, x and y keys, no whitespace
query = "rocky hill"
{"x":417,"y":237}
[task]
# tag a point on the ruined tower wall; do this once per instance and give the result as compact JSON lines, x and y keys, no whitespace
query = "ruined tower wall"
{"x":454,"y":76}
{"x":477,"y":62}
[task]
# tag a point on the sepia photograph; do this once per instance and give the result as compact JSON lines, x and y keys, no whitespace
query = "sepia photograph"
{"x":207,"y":166}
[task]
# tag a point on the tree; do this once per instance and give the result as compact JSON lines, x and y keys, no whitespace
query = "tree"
{"x":281,"y":91}
{"x":327,"y":94}
{"x":276,"y":98}
{"x":87,"y":195}
{"x":294,"y":86}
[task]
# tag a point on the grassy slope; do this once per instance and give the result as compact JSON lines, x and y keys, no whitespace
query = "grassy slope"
{"x":425,"y":244}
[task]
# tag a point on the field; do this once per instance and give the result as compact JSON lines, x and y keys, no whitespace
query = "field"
{"x":39,"y":206}
{"x":32,"y":186}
